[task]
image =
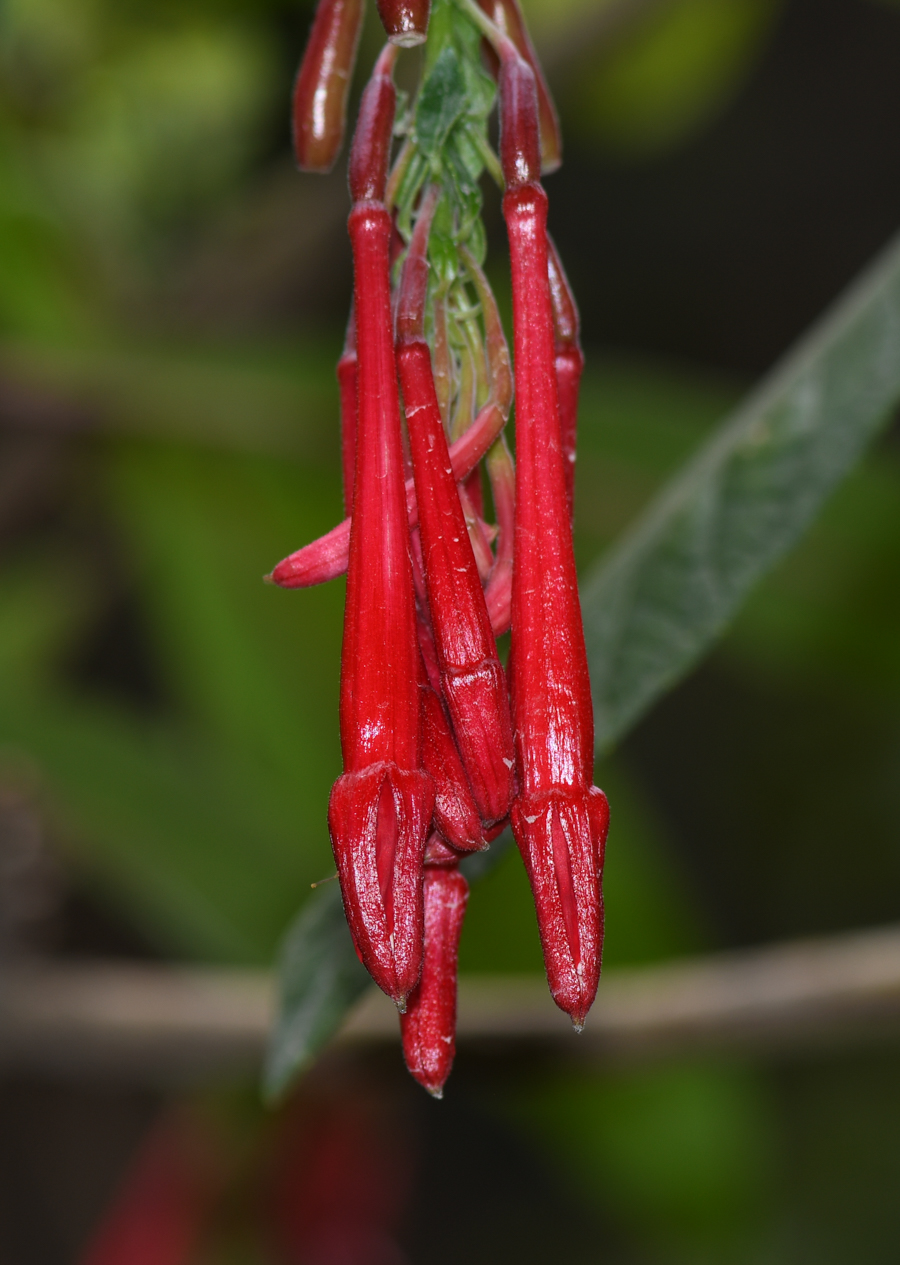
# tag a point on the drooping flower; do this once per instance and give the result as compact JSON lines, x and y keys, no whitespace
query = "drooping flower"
{"x":559,"y":818}
{"x":441,"y":743}
{"x":380,"y":808}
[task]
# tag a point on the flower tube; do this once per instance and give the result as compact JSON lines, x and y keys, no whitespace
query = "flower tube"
{"x":559,"y":818}
{"x":381,"y":806}
{"x":472,"y":679}
{"x":428,"y":1027}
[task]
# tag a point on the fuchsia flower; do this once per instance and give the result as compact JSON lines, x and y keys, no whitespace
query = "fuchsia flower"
{"x":472,"y":679}
{"x":439,"y":742}
{"x":380,"y":809}
{"x":560,"y":818}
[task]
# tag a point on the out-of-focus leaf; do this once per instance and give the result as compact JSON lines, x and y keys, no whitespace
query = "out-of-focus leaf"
{"x":321,"y":977}
{"x":672,"y":585}
{"x":669,"y":72}
{"x":265,"y":404}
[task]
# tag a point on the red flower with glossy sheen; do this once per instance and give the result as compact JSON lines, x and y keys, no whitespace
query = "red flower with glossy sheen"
{"x":559,"y":818}
{"x":472,"y":680}
{"x":432,"y":747}
{"x":381,"y":807}
{"x":428,"y":1027}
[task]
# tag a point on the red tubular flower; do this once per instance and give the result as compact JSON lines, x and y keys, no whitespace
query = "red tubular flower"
{"x":381,"y":806}
{"x":347,"y":374}
{"x":507,"y":17}
{"x":569,"y":363}
{"x":559,"y":818}
{"x":456,"y":815}
{"x":323,"y":81}
{"x":326,"y":558}
{"x":406,"y":21}
{"x":428,"y":1027}
{"x":472,"y":678}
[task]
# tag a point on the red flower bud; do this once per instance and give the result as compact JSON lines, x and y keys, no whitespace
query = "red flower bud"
{"x":520,"y":151}
{"x":569,"y":363}
{"x":428,"y":1027}
{"x":472,"y":680}
{"x":371,"y":150}
{"x":323,"y":81}
{"x":456,"y":816}
{"x":406,"y":21}
{"x":559,"y":818}
{"x":508,"y":17}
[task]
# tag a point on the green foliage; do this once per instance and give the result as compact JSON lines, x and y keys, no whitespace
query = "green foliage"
{"x":675,"y":581}
{"x":325,"y":978}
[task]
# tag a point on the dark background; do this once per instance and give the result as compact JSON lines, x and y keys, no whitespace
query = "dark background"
{"x":759,"y":801}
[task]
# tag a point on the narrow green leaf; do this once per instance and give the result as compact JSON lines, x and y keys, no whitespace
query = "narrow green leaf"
{"x":320,"y":978}
{"x":668,"y":590}
{"x":441,"y":102}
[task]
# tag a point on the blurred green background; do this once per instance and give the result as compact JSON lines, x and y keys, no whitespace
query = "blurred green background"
{"x":172,"y":297}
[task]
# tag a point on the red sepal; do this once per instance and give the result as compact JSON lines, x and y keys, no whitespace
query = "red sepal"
{"x":379,"y":819}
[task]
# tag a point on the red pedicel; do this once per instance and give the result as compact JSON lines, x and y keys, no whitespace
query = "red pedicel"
{"x":508,"y":17}
{"x":559,"y":818}
{"x":428,"y":1027}
{"x":323,"y":81}
{"x":406,"y":21}
{"x":381,"y":806}
{"x":472,"y":679}
{"x":569,"y":362}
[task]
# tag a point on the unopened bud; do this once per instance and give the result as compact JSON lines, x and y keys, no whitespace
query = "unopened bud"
{"x":406,"y":21}
{"x":508,"y":17}
{"x":371,"y":151}
{"x":323,"y":80}
{"x":520,"y":149}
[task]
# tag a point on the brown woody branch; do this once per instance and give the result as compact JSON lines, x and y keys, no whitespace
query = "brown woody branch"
{"x":162,"y":1024}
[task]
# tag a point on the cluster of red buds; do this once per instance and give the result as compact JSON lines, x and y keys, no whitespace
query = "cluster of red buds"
{"x":442,"y":746}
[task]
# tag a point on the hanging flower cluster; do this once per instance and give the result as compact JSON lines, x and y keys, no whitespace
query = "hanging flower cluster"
{"x":443,"y":747}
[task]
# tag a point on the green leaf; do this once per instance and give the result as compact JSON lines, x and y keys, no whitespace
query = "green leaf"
{"x":668,"y":590}
{"x":321,"y":977}
{"x":441,"y":102}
